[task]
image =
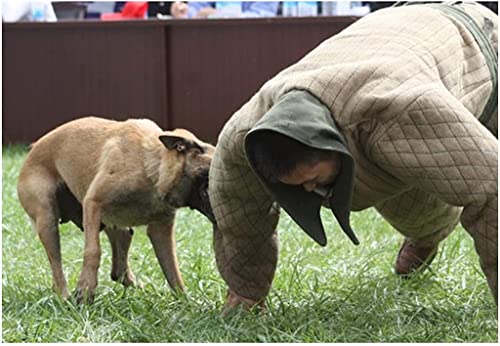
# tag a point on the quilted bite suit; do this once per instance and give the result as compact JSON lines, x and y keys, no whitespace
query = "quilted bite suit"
{"x":412,"y":91}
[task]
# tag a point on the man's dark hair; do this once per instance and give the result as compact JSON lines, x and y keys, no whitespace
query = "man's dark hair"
{"x":275,"y":155}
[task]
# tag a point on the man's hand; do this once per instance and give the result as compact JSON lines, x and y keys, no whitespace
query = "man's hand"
{"x":234,"y":300}
{"x":179,"y":9}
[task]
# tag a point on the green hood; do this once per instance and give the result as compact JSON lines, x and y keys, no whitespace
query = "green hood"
{"x":301,"y":116}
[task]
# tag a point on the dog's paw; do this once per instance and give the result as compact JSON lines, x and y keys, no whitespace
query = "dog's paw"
{"x":85,"y":290}
{"x":138,"y":284}
{"x":130,"y":281}
{"x":65,"y":295}
{"x":127,"y":279}
{"x":84,"y":295}
{"x":62,"y":292}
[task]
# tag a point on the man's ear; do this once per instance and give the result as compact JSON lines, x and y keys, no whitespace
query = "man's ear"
{"x":179,"y":143}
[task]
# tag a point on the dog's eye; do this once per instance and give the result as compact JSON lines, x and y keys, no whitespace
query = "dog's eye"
{"x":180,"y":147}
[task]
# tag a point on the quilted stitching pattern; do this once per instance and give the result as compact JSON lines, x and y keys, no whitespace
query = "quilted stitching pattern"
{"x":458,"y":165}
{"x":246,"y":241}
{"x":420,"y":216}
{"x":437,"y":156}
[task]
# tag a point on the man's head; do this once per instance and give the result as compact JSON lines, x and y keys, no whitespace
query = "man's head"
{"x":279,"y":158}
{"x":296,"y":147}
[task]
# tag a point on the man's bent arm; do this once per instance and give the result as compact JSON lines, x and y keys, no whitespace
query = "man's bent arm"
{"x":438,"y":146}
{"x":245,"y":238}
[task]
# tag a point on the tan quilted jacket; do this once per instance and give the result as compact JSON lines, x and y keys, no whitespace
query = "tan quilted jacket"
{"x":405,"y":86}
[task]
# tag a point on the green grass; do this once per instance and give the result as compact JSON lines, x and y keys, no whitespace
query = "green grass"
{"x":340,"y":293}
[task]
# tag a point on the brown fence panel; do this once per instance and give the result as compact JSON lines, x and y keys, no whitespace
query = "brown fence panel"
{"x":180,"y":73}
{"x":53,"y":73}
{"x":217,"y":66}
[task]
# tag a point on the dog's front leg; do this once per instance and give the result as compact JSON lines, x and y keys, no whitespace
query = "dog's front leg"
{"x":92,"y":251}
{"x":163,"y":240}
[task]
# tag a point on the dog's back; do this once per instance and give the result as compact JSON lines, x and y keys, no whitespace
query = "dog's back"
{"x":67,"y":138}
{"x":72,"y":152}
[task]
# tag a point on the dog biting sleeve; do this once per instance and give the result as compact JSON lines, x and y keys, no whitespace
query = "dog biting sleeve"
{"x":439,"y":147}
{"x":245,"y":238}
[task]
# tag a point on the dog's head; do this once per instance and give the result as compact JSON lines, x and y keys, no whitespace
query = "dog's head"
{"x":197,"y":156}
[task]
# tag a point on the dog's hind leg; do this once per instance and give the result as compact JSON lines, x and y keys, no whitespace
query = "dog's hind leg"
{"x":37,"y":195}
{"x":163,"y":240}
{"x":120,"y":243}
{"x":47,"y":229}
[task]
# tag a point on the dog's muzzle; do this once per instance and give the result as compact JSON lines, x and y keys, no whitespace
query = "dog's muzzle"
{"x":199,"y":198}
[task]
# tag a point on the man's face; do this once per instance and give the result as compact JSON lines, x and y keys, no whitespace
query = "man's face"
{"x":313,"y":175}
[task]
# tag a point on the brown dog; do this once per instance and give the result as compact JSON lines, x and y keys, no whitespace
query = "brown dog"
{"x":104,"y":174}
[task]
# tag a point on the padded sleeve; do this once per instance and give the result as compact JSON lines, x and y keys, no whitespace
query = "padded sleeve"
{"x":439,"y":147}
{"x":245,"y":238}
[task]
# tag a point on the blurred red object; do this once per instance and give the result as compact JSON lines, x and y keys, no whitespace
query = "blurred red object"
{"x":131,"y":10}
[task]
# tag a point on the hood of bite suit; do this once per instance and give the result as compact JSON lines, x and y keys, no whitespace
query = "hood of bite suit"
{"x":302,"y":117}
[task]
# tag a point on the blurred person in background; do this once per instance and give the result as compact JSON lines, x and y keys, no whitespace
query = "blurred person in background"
{"x":130,"y":10}
{"x":241,"y":9}
{"x":158,"y":9}
{"x":27,"y":11}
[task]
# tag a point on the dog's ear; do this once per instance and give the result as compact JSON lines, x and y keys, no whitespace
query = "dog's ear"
{"x":179,"y":143}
